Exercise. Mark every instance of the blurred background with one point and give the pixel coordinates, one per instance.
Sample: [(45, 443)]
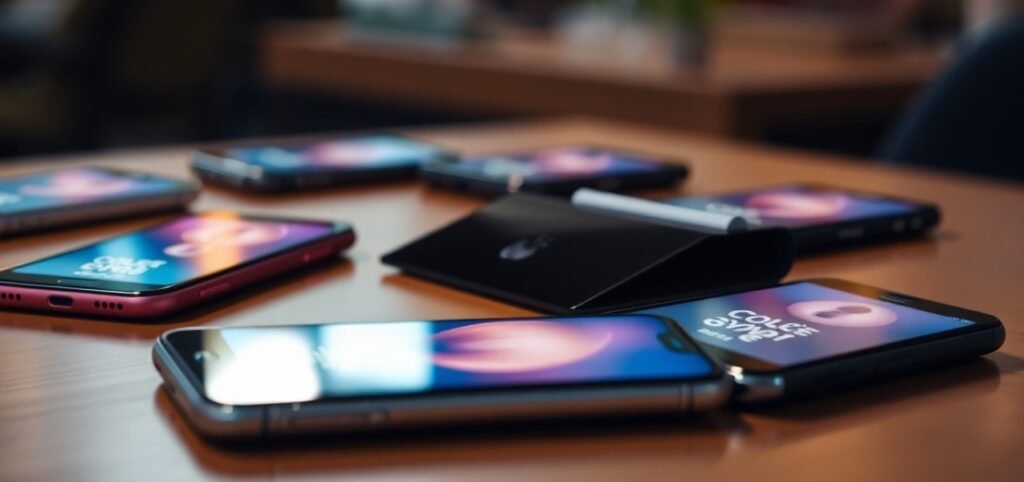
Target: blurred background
[(934, 83)]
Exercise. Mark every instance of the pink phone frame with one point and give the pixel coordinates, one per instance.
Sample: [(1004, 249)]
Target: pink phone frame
[(152, 306)]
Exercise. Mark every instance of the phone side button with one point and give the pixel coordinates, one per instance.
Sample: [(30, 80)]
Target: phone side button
[(337, 421), (899, 365), (851, 233), (316, 253), (214, 290)]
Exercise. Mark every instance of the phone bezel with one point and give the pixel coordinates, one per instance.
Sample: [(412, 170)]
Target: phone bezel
[(752, 365), (456, 168), (222, 153), (9, 277), (190, 367)]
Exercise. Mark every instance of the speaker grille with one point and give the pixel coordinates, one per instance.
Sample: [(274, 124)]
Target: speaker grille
[(4, 296), (104, 305)]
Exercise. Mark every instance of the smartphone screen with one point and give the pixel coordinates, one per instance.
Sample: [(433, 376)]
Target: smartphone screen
[(292, 364), (558, 164), (76, 186), (372, 152), (169, 254), (802, 322), (798, 206)]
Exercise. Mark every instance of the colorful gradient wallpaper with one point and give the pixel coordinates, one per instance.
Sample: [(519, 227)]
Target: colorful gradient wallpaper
[(559, 164), (801, 322), (75, 186), (797, 206), (190, 247), (346, 154), (261, 365)]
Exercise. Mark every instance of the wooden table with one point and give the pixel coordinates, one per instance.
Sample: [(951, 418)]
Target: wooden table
[(80, 400), (745, 91)]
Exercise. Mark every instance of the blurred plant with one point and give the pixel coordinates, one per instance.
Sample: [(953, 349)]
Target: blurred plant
[(687, 23), (681, 11), (690, 23)]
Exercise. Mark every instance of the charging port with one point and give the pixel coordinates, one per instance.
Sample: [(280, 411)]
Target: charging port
[(61, 301)]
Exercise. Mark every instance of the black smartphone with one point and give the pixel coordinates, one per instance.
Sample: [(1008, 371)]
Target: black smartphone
[(815, 336), (333, 162), (77, 195), (557, 170), (344, 377), (822, 217)]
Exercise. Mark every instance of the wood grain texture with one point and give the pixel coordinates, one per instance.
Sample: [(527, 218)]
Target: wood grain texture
[(79, 399), (744, 91)]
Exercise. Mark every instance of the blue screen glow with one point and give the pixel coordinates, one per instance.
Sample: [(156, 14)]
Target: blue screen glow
[(344, 154), (558, 164), (74, 187)]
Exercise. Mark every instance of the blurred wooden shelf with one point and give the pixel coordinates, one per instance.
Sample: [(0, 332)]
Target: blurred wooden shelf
[(745, 90), (80, 399)]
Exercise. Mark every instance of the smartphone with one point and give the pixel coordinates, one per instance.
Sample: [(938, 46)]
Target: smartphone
[(76, 195), (812, 337), (168, 267), (556, 170), (279, 380), (317, 164), (821, 216)]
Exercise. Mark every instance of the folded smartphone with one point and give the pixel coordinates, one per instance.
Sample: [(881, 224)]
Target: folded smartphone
[(556, 170), (345, 377), (77, 195), (821, 216), (289, 167), (168, 267), (816, 336)]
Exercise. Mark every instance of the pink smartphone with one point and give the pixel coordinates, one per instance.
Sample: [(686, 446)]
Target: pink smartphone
[(168, 267)]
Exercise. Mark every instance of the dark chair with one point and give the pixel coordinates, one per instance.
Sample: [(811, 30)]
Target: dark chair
[(101, 59), (971, 118)]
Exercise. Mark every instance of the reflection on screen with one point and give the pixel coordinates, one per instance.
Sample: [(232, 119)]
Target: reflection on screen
[(75, 186), (802, 322), (355, 153), (303, 363), (187, 248), (797, 206), (559, 163)]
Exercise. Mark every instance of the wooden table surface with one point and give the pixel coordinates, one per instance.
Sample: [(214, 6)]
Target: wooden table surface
[(744, 91), (80, 400)]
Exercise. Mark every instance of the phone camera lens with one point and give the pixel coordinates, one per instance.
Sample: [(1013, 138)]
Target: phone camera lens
[(204, 356)]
